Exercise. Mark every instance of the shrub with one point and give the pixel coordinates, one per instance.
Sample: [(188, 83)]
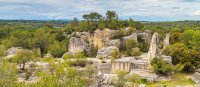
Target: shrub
[(49, 59), (79, 55), (103, 61), (67, 56), (79, 62)]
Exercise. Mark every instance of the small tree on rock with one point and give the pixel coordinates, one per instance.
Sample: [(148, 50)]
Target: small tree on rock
[(136, 52), (22, 57)]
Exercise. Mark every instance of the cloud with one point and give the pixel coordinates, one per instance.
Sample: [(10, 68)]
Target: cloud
[(197, 12), (67, 9)]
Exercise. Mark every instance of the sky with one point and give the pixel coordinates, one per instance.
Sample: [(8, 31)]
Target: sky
[(140, 10)]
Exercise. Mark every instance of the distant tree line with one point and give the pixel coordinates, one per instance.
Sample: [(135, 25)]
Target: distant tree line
[(94, 20)]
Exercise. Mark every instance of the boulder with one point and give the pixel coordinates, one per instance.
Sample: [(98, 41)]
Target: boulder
[(11, 52), (77, 45), (48, 56), (105, 52), (166, 41), (154, 50), (132, 36)]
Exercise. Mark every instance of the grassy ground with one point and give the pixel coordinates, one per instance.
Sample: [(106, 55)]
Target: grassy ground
[(177, 79)]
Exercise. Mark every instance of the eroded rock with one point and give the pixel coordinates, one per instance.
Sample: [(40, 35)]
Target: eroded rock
[(166, 41), (77, 45), (154, 50), (106, 52)]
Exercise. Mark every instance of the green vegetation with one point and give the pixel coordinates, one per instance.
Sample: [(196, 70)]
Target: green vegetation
[(50, 37), (129, 45), (182, 54), (94, 20), (177, 79), (22, 57), (162, 67), (115, 54), (121, 79), (8, 74), (136, 52)]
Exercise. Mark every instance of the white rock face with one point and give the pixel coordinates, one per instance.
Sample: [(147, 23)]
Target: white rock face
[(166, 41), (105, 52), (11, 52), (77, 45), (154, 47), (132, 36), (121, 42), (115, 42)]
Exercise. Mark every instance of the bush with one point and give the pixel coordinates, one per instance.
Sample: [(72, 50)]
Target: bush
[(129, 44), (103, 61), (67, 56), (48, 59), (79, 55), (79, 62)]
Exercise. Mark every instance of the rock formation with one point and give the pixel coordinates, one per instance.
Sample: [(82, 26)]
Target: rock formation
[(101, 38), (121, 42), (77, 45), (132, 36), (83, 35), (115, 42), (154, 47), (144, 36), (166, 41), (105, 52), (11, 52)]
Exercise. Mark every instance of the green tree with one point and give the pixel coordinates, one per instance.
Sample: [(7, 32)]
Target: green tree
[(136, 52), (75, 22), (162, 67), (129, 44), (192, 39), (121, 78), (181, 54), (111, 15), (144, 46), (19, 38), (115, 54), (120, 34), (42, 40), (22, 57), (57, 49)]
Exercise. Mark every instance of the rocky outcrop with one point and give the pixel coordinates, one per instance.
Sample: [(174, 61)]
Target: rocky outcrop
[(166, 41), (77, 45), (11, 52), (121, 42), (115, 42), (144, 36), (132, 36), (106, 52), (101, 38), (83, 35), (154, 47)]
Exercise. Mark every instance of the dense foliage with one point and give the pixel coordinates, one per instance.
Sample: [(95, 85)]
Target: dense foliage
[(182, 54)]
